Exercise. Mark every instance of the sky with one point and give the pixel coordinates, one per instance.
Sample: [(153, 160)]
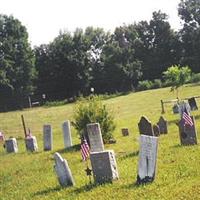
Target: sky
[(44, 19)]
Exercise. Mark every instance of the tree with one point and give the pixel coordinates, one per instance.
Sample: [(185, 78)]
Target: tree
[(176, 76), (16, 63)]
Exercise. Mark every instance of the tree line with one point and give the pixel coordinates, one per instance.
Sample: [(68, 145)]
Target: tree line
[(73, 63)]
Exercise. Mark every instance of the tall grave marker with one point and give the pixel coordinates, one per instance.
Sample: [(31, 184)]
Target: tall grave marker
[(67, 134), (47, 137)]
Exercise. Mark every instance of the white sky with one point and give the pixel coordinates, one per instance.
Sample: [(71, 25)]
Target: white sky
[(45, 18)]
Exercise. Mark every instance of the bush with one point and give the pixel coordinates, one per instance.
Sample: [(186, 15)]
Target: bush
[(157, 83), (195, 78), (92, 110), (144, 85)]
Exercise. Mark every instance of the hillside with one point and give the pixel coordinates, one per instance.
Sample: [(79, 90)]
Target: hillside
[(31, 175)]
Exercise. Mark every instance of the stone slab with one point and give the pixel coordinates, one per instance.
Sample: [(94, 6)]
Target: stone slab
[(31, 143), (163, 125), (11, 145), (47, 137), (145, 126), (67, 134)]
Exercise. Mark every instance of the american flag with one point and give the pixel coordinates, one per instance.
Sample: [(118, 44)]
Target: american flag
[(187, 119), (85, 149), (29, 135), (1, 136)]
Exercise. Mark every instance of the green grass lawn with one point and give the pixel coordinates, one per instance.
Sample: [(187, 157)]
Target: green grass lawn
[(31, 175)]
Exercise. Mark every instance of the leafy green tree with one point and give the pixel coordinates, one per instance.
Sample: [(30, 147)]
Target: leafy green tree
[(176, 76), (16, 63)]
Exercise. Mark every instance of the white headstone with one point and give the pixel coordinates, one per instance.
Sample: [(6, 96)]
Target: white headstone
[(95, 137), (147, 158), (47, 137), (31, 143), (67, 134), (11, 145), (104, 166), (63, 171)]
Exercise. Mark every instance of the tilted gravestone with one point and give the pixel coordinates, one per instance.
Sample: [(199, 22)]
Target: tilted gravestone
[(67, 134), (47, 137), (31, 143), (63, 171), (163, 125), (145, 127), (95, 137), (156, 130), (187, 133), (147, 159), (11, 145), (125, 132), (193, 104), (104, 166)]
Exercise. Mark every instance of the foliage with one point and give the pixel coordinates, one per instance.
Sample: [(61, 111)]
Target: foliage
[(177, 76), (195, 78), (92, 110), (144, 85)]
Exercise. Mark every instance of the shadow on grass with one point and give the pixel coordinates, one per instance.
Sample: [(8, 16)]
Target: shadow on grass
[(136, 185), (177, 146), (47, 191), (127, 155), (86, 188), (76, 147)]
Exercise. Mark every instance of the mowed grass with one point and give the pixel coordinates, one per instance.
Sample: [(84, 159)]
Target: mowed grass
[(31, 175)]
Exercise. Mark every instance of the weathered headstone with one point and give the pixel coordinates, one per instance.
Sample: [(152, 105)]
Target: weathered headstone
[(193, 104), (175, 108), (47, 137), (95, 137), (187, 133), (145, 127), (63, 171), (184, 106), (11, 145), (163, 125), (67, 134), (125, 132), (156, 130), (104, 166), (147, 159), (31, 143)]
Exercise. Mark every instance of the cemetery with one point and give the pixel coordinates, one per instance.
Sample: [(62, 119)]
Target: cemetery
[(156, 158)]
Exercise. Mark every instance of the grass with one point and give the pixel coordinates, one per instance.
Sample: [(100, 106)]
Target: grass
[(26, 175)]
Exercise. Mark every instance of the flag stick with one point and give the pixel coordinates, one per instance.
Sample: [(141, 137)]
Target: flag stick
[(24, 126)]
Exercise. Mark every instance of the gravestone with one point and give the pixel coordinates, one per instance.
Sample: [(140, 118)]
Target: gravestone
[(187, 133), (95, 137), (175, 108), (145, 127), (147, 159), (193, 104), (63, 171), (163, 125), (31, 143), (67, 134), (11, 145), (156, 130), (104, 166), (47, 137), (125, 132), (184, 106)]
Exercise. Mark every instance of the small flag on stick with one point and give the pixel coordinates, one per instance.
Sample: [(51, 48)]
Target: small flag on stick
[(187, 118), (29, 135), (85, 149), (2, 138)]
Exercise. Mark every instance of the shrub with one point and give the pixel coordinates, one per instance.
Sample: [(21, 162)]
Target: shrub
[(157, 83), (144, 85), (195, 78), (92, 110)]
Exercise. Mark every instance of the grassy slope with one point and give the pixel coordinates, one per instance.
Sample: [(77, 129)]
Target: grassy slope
[(31, 176)]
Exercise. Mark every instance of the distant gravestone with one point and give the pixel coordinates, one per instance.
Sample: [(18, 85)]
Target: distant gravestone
[(156, 130), (175, 108), (163, 125), (145, 127), (187, 133), (104, 166), (11, 145), (193, 104), (31, 143), (63, 171), (125, 132), (147, 159), (67, 134), (95, 137), (47, 137)]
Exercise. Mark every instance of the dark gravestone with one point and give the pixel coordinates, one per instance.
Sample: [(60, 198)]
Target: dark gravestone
[(31, 143), (104, 166), (147, 159), (184, 106), (11, 145), (193, 104), (187, 133), (175, 108), (125, 132), (47, 137), (162, 123), (63, 171), (156, 130), (145, 127)]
